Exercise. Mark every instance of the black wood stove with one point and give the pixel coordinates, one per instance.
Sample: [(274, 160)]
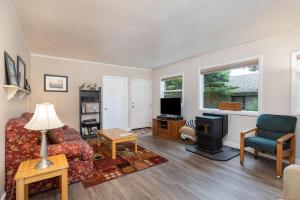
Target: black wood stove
[(210, 130)]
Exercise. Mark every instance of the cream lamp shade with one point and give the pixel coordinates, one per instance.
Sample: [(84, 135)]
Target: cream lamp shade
[(44, 118)]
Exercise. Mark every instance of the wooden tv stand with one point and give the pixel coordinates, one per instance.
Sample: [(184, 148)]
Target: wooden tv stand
[(168, 129)]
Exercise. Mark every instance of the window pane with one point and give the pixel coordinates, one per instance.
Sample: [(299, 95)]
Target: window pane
[(235, 85), (173, 94), (251, 103), (240, 99), (173, 84)]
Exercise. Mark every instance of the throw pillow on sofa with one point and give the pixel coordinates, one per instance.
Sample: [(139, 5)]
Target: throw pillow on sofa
[(56, 136)]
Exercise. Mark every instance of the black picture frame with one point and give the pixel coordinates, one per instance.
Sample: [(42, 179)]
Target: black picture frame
[(21, 72), (60, 84), (10, 69)]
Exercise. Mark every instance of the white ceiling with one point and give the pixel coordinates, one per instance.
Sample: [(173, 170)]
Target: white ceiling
[(149, 33)]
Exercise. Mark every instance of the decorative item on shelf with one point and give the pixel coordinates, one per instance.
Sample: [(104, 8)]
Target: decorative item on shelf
[(27, 86), (90, 107), (89, 127), (89, 121), (94, 86), (11, 72), (89, 86), (21, 72), (94, 129), (83, 86), (44, 119), (55, 83)]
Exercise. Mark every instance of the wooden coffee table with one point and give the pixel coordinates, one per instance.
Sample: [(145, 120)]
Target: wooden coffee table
[(115, 136)]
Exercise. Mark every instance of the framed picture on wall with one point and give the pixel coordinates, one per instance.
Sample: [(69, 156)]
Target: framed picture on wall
[(55, 83), (11, 72), (21, 72)]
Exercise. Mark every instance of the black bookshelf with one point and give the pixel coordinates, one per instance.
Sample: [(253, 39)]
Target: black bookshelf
[(90, 112)]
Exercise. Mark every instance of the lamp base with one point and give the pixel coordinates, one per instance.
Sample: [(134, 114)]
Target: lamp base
[(44, 163)]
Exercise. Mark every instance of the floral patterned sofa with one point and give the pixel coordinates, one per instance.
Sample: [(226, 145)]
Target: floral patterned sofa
[(22, 144)]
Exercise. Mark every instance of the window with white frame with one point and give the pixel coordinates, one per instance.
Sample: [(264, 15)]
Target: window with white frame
[(295, 83), (171, 87), (236, 82)]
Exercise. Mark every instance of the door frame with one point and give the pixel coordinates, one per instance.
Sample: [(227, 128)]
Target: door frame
[(126, 96), (151, 96)]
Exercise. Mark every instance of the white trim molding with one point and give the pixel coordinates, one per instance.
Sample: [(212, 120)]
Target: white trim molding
[(231, 112), (89, 62), (295, 83), (231, 144)]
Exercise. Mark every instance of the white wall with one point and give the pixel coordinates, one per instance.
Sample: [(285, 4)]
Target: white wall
[(67, 103), (11, 41), (276, 89)]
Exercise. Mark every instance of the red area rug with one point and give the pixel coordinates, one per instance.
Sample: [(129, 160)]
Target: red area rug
[(127, 162)]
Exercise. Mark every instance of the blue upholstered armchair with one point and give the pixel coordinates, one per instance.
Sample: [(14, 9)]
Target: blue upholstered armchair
[(273, 134)]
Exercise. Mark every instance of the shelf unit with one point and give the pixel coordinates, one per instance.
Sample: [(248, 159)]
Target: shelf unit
[(90, 108), (12, 91), (90, 113), (168, 129)]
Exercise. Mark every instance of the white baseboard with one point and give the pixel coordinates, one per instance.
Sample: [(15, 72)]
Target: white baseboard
[(3, 196), (231, 144)]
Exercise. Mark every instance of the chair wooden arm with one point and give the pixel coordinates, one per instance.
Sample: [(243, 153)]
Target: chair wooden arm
[(243, 133), (285, 138), (242, 143)]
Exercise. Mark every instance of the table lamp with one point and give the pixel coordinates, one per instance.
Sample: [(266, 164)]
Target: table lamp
[(44, 118)]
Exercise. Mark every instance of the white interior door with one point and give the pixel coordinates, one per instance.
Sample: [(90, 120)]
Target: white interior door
[(141, 103), (114, 102)]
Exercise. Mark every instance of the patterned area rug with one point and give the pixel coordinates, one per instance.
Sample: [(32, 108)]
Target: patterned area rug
[(127, 162), (142, 131)]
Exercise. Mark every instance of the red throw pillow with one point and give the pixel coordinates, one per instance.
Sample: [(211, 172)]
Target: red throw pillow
[(27, 115), (56, 136)]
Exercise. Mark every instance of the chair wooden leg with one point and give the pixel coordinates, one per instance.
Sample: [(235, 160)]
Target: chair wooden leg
[(256, 153), (279, 161), (242, 149), (292, 150)]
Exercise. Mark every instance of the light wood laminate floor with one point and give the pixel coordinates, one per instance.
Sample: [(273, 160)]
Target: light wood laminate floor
[(185, 176)]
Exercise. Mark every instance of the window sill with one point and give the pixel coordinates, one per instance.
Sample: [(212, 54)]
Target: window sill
[(230, 112)]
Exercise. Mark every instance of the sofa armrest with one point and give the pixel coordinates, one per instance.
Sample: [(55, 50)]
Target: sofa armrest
[(291, 180), (71, 131), (72, 150), (87, 151)]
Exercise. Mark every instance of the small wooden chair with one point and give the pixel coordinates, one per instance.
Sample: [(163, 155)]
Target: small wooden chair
[(273, 134)]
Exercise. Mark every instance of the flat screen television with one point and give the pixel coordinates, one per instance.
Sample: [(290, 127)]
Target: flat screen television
[(170, 106)]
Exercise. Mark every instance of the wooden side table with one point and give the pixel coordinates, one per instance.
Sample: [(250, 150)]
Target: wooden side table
[(27, 174)]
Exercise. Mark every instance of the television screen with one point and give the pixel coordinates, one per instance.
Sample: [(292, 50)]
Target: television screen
[(170, 106)]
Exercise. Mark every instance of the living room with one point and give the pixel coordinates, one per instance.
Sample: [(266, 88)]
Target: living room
[(127, 53)]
